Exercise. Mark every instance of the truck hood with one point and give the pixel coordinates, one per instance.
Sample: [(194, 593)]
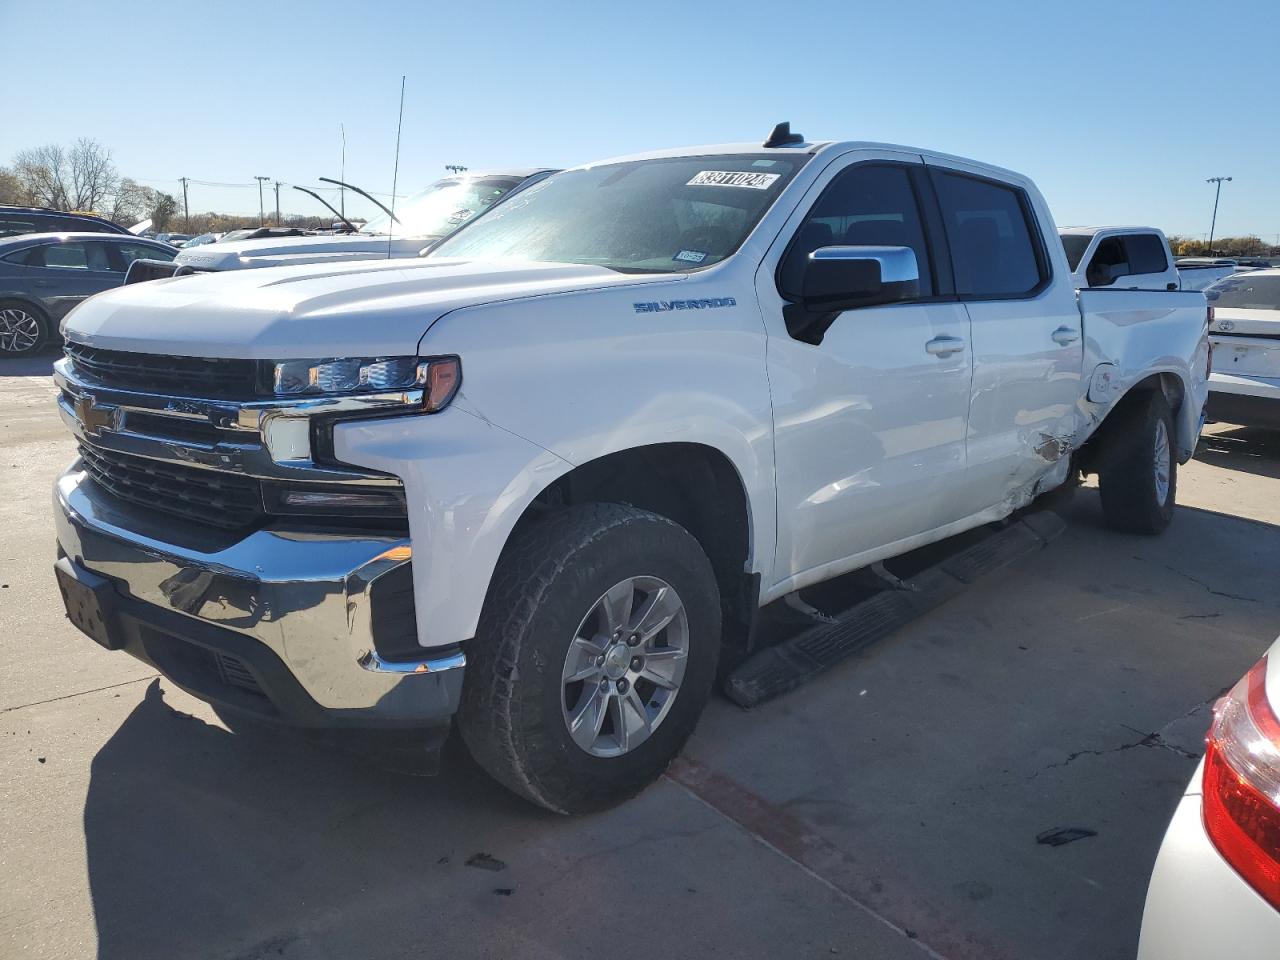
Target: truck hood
[(288, 251), (379, 308)]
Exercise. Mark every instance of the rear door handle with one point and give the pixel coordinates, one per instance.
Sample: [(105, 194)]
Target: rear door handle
[(1064, 336), (944, 346)]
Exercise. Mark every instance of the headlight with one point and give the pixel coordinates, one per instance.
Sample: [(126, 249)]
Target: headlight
[(438, 377)]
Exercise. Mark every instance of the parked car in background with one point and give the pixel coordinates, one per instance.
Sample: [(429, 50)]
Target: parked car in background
[(1124, 258), (440, 210), (1215, 889), (546, 476), (202, 239), (19, 220), (1245, 333), (173, 239), (259, 233), (1197, 273), (44, 275)]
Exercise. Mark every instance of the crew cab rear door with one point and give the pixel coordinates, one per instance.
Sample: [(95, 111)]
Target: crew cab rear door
[(1026, 330), (869, 422)]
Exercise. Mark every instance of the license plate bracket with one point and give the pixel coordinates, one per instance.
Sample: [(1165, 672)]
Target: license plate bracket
[(87, 598)]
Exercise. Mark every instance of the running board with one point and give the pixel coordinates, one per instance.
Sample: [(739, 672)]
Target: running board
[(777, 669)]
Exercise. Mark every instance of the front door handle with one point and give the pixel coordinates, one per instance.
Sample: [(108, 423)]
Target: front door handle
[(944, 346), (1065, 336)]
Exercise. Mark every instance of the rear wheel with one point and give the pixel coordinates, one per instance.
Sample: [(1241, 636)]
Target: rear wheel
[(594, 658), (24, 328), (1137, 471)]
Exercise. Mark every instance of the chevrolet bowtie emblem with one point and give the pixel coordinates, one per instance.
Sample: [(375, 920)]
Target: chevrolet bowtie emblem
[(95, 417)]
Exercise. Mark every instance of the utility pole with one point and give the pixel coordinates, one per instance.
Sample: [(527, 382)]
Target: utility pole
[(1216, 193), (342, 173), (186, 214), (277, 203), (454, 168), (262, 216)]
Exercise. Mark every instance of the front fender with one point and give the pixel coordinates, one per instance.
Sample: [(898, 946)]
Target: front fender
[(467, 482)]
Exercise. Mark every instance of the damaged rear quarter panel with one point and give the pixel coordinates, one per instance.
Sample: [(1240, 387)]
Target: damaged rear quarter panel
[(1144, 332)]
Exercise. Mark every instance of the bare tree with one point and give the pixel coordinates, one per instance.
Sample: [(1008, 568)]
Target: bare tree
[(130, 202), (42, 172), (93, 175)]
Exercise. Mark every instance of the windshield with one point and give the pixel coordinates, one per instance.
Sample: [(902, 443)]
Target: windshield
[(443, 207), (1075, 244), (1245, 292), (645, 216)]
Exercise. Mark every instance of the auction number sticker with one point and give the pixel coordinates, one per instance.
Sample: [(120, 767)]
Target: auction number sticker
[(733, 178)]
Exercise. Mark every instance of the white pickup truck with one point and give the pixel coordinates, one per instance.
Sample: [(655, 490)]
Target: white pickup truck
[(1130, 258), (544, 477)]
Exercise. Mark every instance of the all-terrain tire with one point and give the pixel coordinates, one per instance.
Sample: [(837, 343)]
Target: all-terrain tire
[(1136, 452), (550, 576)]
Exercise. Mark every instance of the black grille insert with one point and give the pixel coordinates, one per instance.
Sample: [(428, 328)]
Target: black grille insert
[(226, 500), (155, 373)]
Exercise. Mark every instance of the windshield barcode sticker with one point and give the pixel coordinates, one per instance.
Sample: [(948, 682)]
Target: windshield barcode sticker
[(733, 178)]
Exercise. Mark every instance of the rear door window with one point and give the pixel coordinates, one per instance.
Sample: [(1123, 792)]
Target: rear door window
[(994, 240), (60, 256), (1145, 253)]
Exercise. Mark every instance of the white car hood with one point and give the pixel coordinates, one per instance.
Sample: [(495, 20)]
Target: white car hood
[(377, 308), (287, 251)]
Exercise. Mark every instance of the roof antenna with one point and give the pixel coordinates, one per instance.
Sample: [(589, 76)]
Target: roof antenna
[(395, 176), (782, 136)]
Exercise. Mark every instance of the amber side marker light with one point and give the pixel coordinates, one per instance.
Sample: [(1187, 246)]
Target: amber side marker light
[(1241, 802), (440, 379)]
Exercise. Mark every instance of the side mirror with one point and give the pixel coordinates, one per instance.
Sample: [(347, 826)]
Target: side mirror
[(846, 278)]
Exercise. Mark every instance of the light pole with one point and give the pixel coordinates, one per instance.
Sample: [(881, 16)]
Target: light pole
[(262, 216), (1216, 193), (454, 168), (186, 214), (277, 203)]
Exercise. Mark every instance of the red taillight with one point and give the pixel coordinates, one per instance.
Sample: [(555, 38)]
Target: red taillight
[(1242, 783)]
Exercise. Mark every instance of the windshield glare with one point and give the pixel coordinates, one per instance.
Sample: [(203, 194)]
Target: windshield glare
[(443, 207), (1075, 244), (1245, 292), (643, 216)]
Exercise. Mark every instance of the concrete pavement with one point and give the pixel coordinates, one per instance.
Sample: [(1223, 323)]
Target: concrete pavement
[(887, 810)]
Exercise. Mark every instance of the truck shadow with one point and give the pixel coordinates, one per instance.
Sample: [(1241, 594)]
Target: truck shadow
[(198, 840), (1247, 449)]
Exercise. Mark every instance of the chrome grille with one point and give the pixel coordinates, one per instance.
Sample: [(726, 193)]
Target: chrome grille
[(227, 500)]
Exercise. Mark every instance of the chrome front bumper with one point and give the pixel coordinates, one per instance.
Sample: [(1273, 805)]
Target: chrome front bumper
[(305, 596)]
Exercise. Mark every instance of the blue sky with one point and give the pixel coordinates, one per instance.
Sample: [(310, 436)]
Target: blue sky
[(1118, 109)]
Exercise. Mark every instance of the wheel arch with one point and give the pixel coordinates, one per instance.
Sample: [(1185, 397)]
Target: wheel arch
[(693, 484), (1170, 384)]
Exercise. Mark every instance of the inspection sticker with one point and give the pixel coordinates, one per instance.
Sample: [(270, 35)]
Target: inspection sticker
[(733, 178), (690, 256)]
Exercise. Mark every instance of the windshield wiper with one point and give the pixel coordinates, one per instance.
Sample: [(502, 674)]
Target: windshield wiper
[(381, 206), (350, 226)]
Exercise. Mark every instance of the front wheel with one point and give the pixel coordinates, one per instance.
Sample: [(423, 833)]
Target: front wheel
[(595, 655), (1137, 471)]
